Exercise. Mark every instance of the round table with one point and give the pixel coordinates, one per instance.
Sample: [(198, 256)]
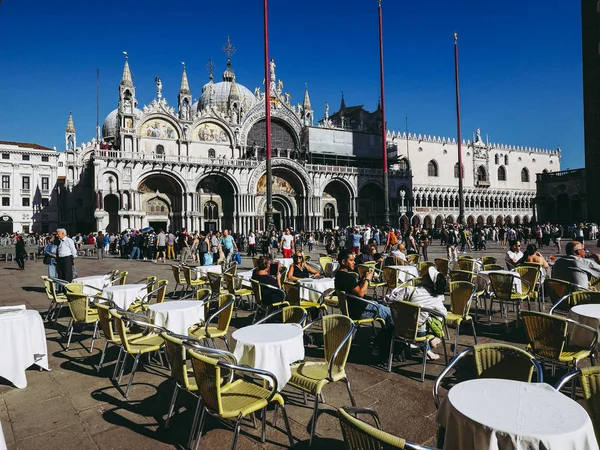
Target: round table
[(23, 339), (270, 346), (587, 315), (203, 270), (124, 295), (96, 281), (482, 280), (404, 271), (318, 284), (177, 315), (285, 262), (494, 414), (245, 276)]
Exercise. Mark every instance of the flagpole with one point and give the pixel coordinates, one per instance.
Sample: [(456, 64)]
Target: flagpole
[(461, 196), (269, 225), (386, 197)]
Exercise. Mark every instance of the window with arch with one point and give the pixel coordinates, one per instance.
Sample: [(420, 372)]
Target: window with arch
[(212, 153), (501, 173), (456, 171), (211, 210), (329, 211), (497, 159), (482, 174), (403, 164), (160, 150), (525, 175), (432, 169), (506, 160)]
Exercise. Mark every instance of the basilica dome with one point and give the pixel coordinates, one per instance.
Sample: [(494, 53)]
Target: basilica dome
[(109, 128), (221, 91)]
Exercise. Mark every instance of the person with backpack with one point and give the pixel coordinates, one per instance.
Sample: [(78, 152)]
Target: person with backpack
[(202, 247), (452, 240)]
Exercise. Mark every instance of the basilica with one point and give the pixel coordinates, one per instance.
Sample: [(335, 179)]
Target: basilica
[(201, 166)]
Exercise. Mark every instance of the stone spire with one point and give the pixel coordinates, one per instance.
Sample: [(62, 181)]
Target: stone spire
[(126, 79), (185, 86), (342, 103), (70, 124), (306, 104)]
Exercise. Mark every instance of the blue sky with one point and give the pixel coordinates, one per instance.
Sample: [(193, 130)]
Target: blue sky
[(520, 62)]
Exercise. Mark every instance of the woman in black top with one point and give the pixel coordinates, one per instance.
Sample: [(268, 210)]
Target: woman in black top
[(20, 252), (300, 270), (261, 274)]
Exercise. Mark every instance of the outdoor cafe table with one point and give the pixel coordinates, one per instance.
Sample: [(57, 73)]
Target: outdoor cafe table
[(23, 343), (285, 262), (483, 279), (177, 315), (587, 315), (124, 295), (270, 346), (494, 414), (318, 284), (203, 270), (405, 271), (96, 281)]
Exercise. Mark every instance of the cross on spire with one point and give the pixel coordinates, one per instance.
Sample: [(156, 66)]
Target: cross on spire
[(229, 49), (211, 68)]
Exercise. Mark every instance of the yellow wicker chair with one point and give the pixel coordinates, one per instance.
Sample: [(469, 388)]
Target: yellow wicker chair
[(462, 275), (292, 296), (441, 264), (239, 294), (495, 361), (343, 298), (575, 298), (589, 378), (359, 435), (391, 277), (469, 265), (461, 296), (406, 326), (149, 342), (556, 289), (493, 267), (548, 340), (179, 279), (215, 281), (488, 260), (377, 281), (121, 279), (532, 276), (324, 260), (311, 377), (424, 266), (232, 400), (57, 301), (465, 257), (289, 314), (503, 292), (81, 314), (207, 330), (413, 259), (160, 292), (260, 306), (190, 282), (394, 261)]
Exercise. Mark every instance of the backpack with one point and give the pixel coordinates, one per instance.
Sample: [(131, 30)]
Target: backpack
[(203, 246), (451, 238)]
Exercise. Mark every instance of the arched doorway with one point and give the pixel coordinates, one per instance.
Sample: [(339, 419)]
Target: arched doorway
[(449, 220), (404, 223), (439, 222), (211, 216), (427, 222), (283, 212), (480, 221), (218, 190), (471, 221), (416, 221), (329, 216), (370, 204), (490, 221), (6, 224), (162, 202), (499, 221), (517, 220), (111, 206), (157, 213), (336, 193), (508, 220)]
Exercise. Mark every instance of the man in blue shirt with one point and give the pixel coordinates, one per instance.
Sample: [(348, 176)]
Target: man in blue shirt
[(228, 244)]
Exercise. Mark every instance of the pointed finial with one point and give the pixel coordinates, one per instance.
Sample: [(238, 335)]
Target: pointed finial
[(126, 79), (185, 86), (306, 104), (70, 125), (229, 50), (342, 103), (211, 68)]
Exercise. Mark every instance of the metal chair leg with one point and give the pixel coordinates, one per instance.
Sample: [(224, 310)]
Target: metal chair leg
[(122, 367), (474, 333), (456, 334), (350, 392), (93, 337), (287, 425), (200, 428), (391, 355), (70, 331), (314, 420), (236, 434), (102, 357), (172, 406), (195, 422), (425, 345), (114, 376), (226, 343), (135, 364), (263, 436)]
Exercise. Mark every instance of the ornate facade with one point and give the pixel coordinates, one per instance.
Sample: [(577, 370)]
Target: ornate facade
[(201, 166)]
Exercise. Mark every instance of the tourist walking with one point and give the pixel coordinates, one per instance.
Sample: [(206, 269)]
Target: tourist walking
[(65, 256), (50, 256), (161, 246), (100, 244), (20, 252)]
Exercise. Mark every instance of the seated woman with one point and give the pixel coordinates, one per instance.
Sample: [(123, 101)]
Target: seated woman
[(533, 255), (300, 270), (369, 253), (261, 274), (430, 294)]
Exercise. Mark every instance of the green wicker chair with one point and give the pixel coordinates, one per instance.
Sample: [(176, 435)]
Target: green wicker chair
[(257, 290), (548, 338), (190, 282), (406, 317), (232, 400), (57, 301), (343, 301), (215, 281), (503, 292), (81, 314), (589, 378), (489, 260), (292, 296), (311, 377), (377, 281), (575, 298), (461, 297), (469, 265), (359, 435), (495, 361), (289, 314), (413, 259), (390, 275), (239, 294), (323, 261), (208, 330), (160, 292), (493, 267), (556, 289), (462, 275), (424, 266), (179, 279), (531, 275)]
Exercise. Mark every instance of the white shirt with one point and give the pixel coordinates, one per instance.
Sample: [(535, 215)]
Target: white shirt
[(398, 254), (286, 241), (251, 240), (67, 248), (513, 257), (423, 298)]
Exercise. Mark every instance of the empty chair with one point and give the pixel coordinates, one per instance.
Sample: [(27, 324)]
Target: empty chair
[(461, 296), (488, 260), (492, 267), (57, 301), (441, 264), (289, 314), (413, 259), (190, 282), (239, 294), (576, 298), (462, 275), (208, 330), (82, 314), (179, 278), (503, 292)]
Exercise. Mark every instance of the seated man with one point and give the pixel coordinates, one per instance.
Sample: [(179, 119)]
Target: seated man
[(347, 280), (261, 274), (399, 251), (514, 255), (574, 267)]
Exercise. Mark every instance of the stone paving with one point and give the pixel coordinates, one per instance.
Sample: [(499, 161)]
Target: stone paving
[(74, 406)]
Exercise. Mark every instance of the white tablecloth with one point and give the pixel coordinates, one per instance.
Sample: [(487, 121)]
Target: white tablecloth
[(285, 262), (483, 279), (203, 270), (493, 414), (97, 281), (270, 346), (22, 344), (319, 284), (406, 273), (125, 295), (246, 276), (177, 315), (587, 315)]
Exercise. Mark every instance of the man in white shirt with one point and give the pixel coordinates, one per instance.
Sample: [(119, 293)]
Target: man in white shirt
[(65, 255), (399, 252), (287, 244), (514, 254)]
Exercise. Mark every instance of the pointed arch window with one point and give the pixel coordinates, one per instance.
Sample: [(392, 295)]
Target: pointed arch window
[(506, 160), (329, 211), (501, 173), (432, 169), (497, 159), (456, 171), (525, 175), (211, 211), (482, 174)]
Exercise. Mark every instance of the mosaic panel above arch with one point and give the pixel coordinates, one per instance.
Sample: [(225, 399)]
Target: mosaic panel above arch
[(210, 132), (279, 185), (159, 128)]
